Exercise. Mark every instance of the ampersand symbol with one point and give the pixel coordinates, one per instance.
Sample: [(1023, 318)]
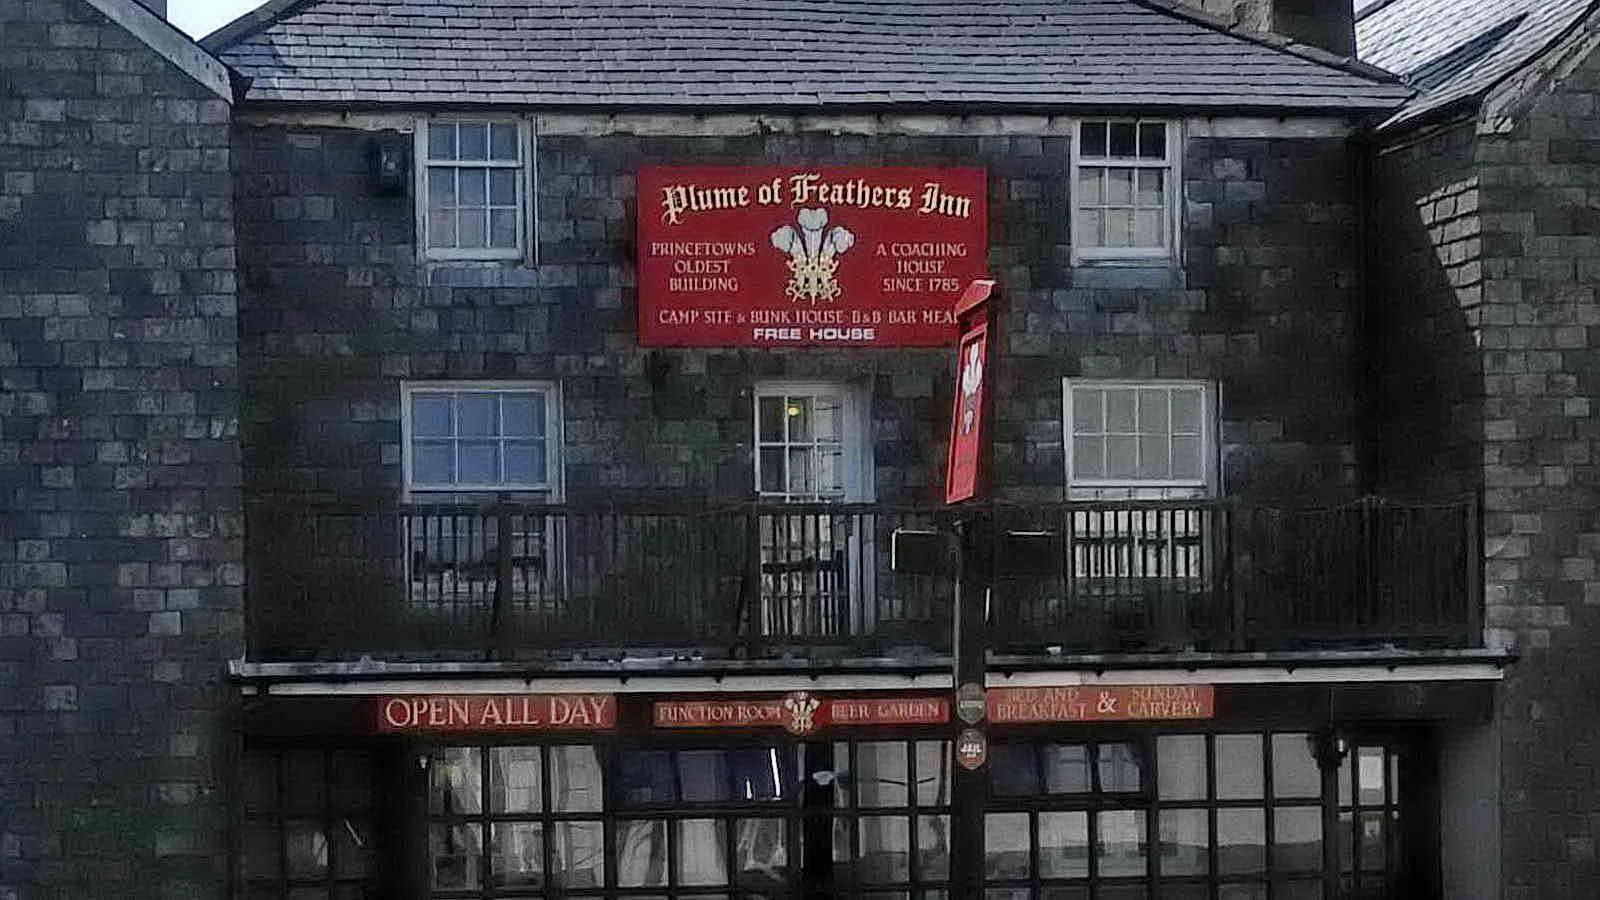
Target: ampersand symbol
[(1107, 704)]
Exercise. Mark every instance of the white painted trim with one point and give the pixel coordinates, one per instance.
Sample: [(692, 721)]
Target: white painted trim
[(1269, 675), (861, 478), (1151, 257), (526, 187), (1210, 430), (173, 45), (654, 684)]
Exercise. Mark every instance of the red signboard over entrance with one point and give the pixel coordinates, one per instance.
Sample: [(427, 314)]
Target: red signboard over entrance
[(1118, 703), (802, 712), (811, 255), (497, 712)]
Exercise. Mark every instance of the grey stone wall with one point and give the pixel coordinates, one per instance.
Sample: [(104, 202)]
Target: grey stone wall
[(120, 557), (336, 312), (1541, 360)]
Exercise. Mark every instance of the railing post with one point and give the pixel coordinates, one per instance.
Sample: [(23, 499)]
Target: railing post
[(499, 627)]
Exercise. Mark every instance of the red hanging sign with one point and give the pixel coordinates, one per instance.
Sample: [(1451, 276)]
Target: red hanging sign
[(972, 388), (497, 712), (808, 255), (1117, 703), (802, 712)]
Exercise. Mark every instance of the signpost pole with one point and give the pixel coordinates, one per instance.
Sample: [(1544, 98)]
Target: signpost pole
[(966, 478)]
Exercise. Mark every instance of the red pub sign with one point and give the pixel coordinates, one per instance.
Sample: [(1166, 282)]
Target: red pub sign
[(807, 256), (1112, 703), (497, 712), (802, 712)]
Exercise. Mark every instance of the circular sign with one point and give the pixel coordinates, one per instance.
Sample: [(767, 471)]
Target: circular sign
[(971, 703), (972, 749)]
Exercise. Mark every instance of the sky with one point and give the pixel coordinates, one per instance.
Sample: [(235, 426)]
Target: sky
[(199, 18)]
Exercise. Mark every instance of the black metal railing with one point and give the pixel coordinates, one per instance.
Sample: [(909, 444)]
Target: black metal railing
[(766, 579)]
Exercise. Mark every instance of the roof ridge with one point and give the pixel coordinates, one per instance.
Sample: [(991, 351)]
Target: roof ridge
[(248, 24), (1309, 52)]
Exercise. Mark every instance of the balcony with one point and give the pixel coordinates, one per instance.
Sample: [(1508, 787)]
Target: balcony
[(419, 582)]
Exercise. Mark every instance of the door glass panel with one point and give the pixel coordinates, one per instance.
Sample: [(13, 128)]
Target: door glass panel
[(1239, 767), (1005, 845), (884, 848), (575, 783), (1185, 842), (1241, 841), (1063, 845), (933, 847), (702, 853), (517, 859), (1294, 768), (882, 773), (641, 853), (762, 851), (456, 781), (1181, 766), (577, 855), (933, 773), (456, 851), (1122, 843), (1297, 839)]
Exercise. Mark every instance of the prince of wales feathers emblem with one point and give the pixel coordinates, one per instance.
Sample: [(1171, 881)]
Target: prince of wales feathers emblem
[(813, 256)]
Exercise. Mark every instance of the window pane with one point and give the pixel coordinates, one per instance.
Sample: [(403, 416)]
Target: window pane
[(441, 187), (1151, 189), (828, 418), (1149, 229), (455, 851), (1298, 890), (1242, 892), (522, 415), (647, 777), (524, 463), (517, 784), (772, 470), (259, 850), (1086, 415), (762, 852), (1088, 457), (769, 418), (1119, 186), (1152, 140), (1063, 845), (1013, 771), (442, 228), (885, 849), (455, 777), (1239, 766), (503, 228), (1093, 135), (1153, 411), (503, 187), (1185, 842), (304, 781), (933, 773), (641, 853), (1066, 768), (474, 140), (517, 858), (702, 854), (1297, 839), (933, 847), (1121, 768), (472, 230), (757, 773), (1005, 845), (476, 415), (798, 412), (1120, 452), (1294, 768), (1241, 840), (1181, 766), (1153, 459), (1186, 461), (1091, 228), (1091, 190), (881, 773), (830, 470), (577, 857), (575, 780), (472, 186), (1120, 411), (432, 462), (1186, 411), (1122, 843), (503, 141), (353, 853), (441, 140), (1119, 228), (703, 776), (1123, 139), (479, 462), (1373, 855), (800, 478), (1369, 773), (352, 781)]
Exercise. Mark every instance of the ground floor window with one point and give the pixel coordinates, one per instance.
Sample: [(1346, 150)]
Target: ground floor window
[(308, 829)]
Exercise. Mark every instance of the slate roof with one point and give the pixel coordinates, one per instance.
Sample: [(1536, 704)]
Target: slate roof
[(782, 53), (1454, 49)]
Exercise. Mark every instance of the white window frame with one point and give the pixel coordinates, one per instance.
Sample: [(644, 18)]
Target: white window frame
[(1172, 164), (859, 477), (553, 486), (1145, 488), (525, 186)]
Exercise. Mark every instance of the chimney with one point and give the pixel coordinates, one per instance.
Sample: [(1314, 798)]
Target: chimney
[(159, 7), (1328, 24)]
